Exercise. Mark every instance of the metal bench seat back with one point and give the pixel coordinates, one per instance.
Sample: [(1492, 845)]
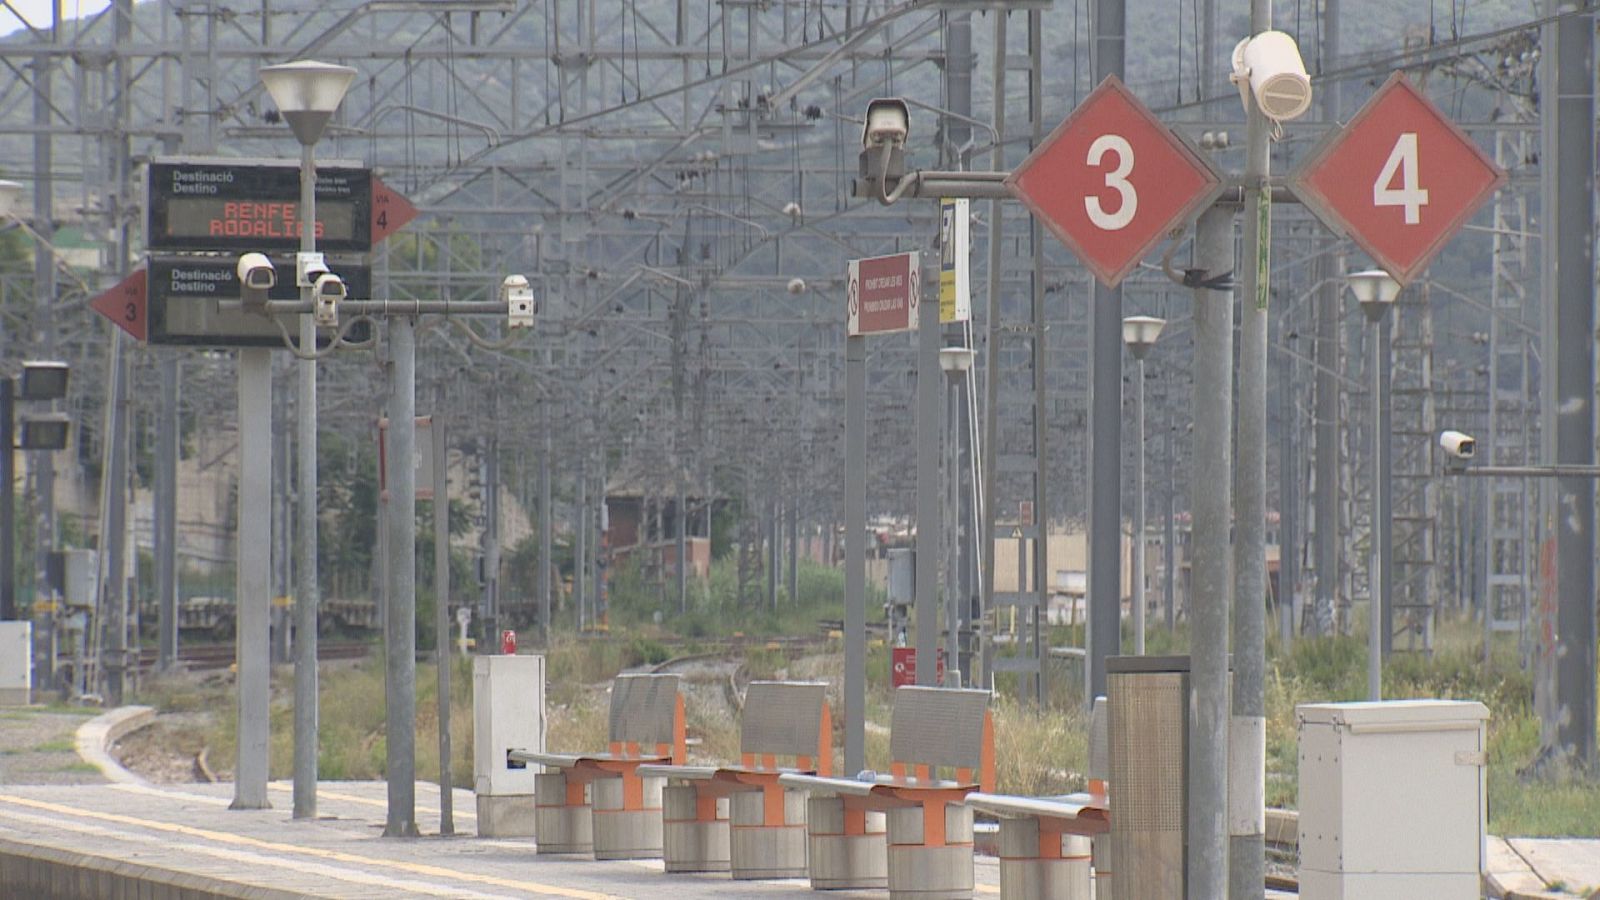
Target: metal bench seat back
[(647, 712), (787, 719), (943, 727)]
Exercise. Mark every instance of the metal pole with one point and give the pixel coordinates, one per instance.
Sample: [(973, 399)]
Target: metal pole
[(991, 376), (1247, 823), (253, 578), (114, 530), (306, 590), (953, 592), (1384, 488), (1574, 292), (1376, 614), (1207, 865), (855, 554), (580, 555), (1105, 415), (1169, 537), (400, 647), (1288, 504), (773, 559), (930, 538), (546, 523), (1138, 514), (794, 552), (1329, 314), (166, 510), (8, 503), (441, 610)]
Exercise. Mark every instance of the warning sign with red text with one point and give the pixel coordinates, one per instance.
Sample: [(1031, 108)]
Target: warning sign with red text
[(884, 294)]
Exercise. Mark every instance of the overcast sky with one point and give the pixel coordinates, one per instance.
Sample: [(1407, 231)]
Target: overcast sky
[(37, 12)]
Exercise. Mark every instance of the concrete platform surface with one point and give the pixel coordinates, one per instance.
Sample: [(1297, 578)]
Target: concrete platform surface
[(1548, 867), (186, 838)]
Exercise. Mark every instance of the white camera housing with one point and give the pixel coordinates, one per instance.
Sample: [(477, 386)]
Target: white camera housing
[(1458, 445), (257, 276), (888, 122), (1270, 64), (327, 292), (307, 266), (518, 297)]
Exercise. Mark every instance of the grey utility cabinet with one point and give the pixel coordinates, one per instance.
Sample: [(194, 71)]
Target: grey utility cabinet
[(1392, 800)]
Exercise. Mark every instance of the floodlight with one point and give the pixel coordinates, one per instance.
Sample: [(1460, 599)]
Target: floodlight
[(1140, 333)]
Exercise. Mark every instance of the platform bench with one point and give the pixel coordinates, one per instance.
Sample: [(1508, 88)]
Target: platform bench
[(598, 802), (933, 732), (738, 818)]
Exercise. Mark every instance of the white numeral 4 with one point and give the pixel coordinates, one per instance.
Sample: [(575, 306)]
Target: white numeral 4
[(1402, 159), (1117, 180)]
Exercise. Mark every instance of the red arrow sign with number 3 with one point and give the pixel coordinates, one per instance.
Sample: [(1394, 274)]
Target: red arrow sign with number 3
[(127, 306)]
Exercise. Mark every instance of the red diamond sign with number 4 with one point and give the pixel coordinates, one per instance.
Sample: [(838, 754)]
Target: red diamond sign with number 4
[(1111, 181), (1400, 179)]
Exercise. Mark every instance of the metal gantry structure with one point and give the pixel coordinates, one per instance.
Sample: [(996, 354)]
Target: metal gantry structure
[(673, 176)]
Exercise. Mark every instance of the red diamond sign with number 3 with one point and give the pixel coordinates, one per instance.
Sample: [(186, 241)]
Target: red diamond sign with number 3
[(1400, 179), (1111, 181)]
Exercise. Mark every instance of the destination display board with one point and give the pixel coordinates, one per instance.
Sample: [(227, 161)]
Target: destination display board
[(184, 294), (209, 204)]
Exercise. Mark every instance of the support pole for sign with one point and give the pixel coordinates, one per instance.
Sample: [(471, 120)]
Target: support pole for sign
[(1105, 417), (1208, 596), (400, 638), (930, 537), (441, 611), (306, 589), (253, 577), (1248, 732), (546, 522), (855, 554)]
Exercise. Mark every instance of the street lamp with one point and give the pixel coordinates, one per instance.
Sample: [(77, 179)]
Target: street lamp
[(1139, 333), (1376, 291), (43, 381), (307, 94)]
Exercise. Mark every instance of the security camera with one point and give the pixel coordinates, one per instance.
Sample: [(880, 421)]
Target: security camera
[(1270, 64), (796, 286), (307, 268), (888, 122), (327, 293), (256, 278), (1458, 445), (518, 297)]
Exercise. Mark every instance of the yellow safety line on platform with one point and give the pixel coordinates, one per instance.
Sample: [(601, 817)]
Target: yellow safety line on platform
[(273, 863), (367, 801), (335, 855)]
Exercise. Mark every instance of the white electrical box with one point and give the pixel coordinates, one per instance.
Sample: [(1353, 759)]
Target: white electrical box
[(1392, 800), (16, 663), (507, 714)]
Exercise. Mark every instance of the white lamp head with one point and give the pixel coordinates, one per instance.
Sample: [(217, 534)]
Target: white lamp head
[(1141, 332), (956, 359), (1375, 290), (307, 93)]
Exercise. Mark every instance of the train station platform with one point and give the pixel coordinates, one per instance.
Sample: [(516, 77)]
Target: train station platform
[(183, 843)]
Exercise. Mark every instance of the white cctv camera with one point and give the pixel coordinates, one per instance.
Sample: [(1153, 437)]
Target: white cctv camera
[(888, 122), (518, 297), (796, 286), (307, 268), (1270, 64), (327, 293), (256, 277), (1458, 445)]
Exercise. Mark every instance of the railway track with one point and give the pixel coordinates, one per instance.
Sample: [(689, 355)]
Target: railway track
[(209, 657)]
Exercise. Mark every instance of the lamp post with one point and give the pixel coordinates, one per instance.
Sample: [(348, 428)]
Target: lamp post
[(1375, 290), (1140, 334), (956, 363), (307, 93)]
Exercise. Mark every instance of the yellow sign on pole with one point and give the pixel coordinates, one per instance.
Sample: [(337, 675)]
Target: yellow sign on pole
[(955, 246)]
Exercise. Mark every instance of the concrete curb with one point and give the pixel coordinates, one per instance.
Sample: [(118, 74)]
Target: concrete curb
[(49, 871), (95, 737)]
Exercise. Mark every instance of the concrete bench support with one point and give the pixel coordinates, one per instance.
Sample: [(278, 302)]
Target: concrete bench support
[(695, 834), (847, 847), (930, 863), (562, 822), (769, 834), (1042, 866), (627, 817)]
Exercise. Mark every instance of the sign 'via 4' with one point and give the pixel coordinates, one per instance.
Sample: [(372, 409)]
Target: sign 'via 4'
[(1400, 179)]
